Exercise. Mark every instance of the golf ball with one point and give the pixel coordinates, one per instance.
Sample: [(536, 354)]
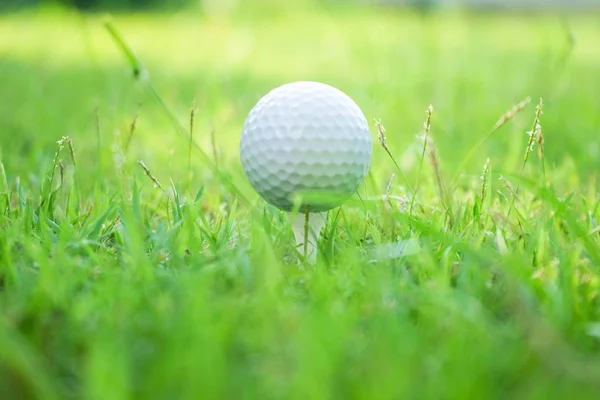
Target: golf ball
[(306, 144)]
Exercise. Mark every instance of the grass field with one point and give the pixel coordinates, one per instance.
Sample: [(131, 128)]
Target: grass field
[(115, 288)]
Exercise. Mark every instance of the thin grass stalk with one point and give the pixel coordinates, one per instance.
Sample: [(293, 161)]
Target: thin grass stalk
[(6, 188), (507, 116), (132, 128), (388, 189), (383, 142), (533, 132), (426, 130), (530, 143), (151, 176), (484, 181), (60, 146), (439, 181), (193, 111), (98, 139), (213, 144), (540, 140)]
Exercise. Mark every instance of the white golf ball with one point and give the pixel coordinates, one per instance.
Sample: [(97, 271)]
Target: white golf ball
[(306, 144)]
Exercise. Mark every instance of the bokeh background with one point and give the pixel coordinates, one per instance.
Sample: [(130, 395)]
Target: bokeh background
[(422, 4), (473, 60)]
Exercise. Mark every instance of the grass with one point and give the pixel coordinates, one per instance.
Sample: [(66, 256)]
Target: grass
[(136, 262)]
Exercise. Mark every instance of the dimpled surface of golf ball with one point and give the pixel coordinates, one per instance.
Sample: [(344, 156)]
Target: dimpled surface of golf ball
[(308, 141)]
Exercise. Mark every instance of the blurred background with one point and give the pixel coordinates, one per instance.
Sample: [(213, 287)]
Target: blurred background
[(62, 74), (423, 4)]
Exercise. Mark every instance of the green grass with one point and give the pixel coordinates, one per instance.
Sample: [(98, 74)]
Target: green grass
[(112, 288)]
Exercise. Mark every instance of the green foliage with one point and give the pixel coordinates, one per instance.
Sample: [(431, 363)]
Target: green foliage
[(128, 272)]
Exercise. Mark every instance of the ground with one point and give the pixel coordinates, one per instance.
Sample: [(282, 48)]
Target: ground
[(116, 286)]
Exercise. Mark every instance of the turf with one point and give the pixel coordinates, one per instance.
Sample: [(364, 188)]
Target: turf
[(115, 286)]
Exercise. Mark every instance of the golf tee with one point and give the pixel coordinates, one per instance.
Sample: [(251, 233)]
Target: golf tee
[(307, 229)]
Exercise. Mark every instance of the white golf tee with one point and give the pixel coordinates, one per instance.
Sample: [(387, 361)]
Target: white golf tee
[(307, 232)]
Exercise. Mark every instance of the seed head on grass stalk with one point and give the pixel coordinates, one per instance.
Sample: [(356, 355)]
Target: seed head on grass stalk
[(533, 132), (507, 116), (383, 142), (510, 188), (71, 150), (484, 180), (514, 199), (510, 114), (61, 167), (426, 131), (540, 140), (388, 190), (536, 127), (72, 153), (59, 149), (151, 176), (431, 150), (132, 128), (193, 112), (49, 181)]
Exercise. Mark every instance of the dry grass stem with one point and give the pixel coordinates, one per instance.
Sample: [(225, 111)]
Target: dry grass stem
[(507, 116), (426, 130), (59, 148), (540, 141), (510, 114), (71, 151), (4, 179), (430, 149), (484, 179), (6, 188), (213, 143), (62, 172), (510, 189), (98, 135), (388, 189), (151, 176), (132, 128), (514, 198), (193, 112), (383, 142), (381, 136), (425, 138), (427, 124), (533, 133), (433, 158)]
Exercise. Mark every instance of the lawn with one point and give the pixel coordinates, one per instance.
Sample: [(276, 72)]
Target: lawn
[(137, 262)]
